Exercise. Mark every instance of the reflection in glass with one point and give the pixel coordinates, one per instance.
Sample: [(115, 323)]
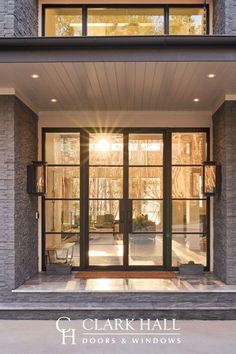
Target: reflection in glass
[(145, 182), (103, 214), (189, 216), (188, 148), (63, 148), (125, 22), (187, 21), (106, 182), (147, 216), (62, 215), (61, 22), (63, 249), (63, 182), (145, 249), (105, 249), (106, 149), (145, 149), (189, 248), (186, 182)]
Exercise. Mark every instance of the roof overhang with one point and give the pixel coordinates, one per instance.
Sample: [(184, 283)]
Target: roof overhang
[(115, 49), (119, 73)]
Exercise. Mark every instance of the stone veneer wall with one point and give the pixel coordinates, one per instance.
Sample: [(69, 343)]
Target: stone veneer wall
[(224, 139), (224, 17), (18, 18), (18, 226)]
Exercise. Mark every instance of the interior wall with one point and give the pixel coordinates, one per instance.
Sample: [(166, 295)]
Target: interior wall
[(122, 119)]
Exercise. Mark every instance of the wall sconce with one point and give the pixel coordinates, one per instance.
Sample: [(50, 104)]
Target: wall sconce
[(211, 178), (36, 178)]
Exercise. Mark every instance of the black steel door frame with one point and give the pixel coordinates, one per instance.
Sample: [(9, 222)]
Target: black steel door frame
[(84, 194)]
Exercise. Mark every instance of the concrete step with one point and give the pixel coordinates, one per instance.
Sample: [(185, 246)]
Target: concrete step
[(181, 310), (138, 297)]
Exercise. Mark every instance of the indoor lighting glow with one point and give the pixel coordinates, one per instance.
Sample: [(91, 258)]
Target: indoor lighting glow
[(196, 99), (53, 100), (211, 76), (35, 76), (102, 145)]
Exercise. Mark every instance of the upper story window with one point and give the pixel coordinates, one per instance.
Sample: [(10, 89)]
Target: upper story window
[(187, 21), (63, 21), (117, 20), (125, 22)]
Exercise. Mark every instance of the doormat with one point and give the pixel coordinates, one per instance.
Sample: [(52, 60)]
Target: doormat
[(127, 275)]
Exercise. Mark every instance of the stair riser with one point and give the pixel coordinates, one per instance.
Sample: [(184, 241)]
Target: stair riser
[(139, 298), (190, 314)]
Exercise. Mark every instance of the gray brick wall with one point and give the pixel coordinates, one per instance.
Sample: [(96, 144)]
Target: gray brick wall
[(224, 133), (18, 18), (224, 19), (7, 197), (18, 227)]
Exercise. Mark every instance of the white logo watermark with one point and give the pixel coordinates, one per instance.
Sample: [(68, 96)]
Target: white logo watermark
[(142, 331)]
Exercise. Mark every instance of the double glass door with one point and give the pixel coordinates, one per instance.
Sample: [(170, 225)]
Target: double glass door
[(125, 199)]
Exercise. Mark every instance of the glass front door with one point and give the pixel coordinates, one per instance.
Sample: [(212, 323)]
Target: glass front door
[(106, 180), (145, 193), (125, 199)]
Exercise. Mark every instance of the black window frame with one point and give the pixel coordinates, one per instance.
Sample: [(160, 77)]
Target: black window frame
[(167, 194), (166, 9)]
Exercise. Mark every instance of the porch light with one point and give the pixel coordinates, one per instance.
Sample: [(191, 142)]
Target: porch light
[(211, 178), (35, 76), (211, 76), (36, 178)]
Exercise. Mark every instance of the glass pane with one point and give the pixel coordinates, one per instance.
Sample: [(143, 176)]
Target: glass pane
[(187, 248), (63, 22), (106, 182), (145, 249), (103, 214), (145, 149), (187, 182), (40, 179), (64, 249), (210, 179), (187, 21), (189, 216), (63, 148), (145, 182), (147, 216), (189, 148), (105, 249), (106, 149), (125, 22), (62, 215), (63, 182)]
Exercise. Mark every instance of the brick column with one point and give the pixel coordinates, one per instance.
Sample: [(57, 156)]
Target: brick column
[(224, 19), (18, 226), (224, 140), (18, 18)]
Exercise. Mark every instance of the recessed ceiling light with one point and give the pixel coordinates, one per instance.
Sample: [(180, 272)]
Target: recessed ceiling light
[(196, 99), (35, 76), (211, 76), (53, 100)]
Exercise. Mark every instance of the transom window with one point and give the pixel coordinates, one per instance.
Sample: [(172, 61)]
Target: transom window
[(117, 20)]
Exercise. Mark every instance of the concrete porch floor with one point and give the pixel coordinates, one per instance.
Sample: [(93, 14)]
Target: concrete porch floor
[(69, 283)]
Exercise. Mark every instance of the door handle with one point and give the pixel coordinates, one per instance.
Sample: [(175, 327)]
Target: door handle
[(129, 216)]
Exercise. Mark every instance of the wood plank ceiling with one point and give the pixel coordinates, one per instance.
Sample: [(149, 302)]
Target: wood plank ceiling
[(121, 86)]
